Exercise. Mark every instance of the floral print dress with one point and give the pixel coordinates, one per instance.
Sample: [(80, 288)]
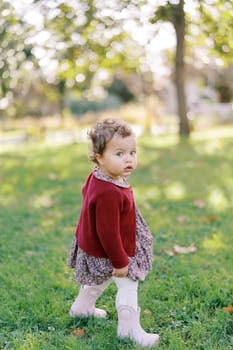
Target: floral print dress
[(90, 270)]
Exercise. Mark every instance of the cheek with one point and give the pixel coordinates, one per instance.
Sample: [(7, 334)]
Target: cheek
[(100, 161)]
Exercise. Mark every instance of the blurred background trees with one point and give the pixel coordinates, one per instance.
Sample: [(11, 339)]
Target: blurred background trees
[(62, 58)]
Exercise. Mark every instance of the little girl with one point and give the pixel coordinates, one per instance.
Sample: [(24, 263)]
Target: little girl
[(112, 240)]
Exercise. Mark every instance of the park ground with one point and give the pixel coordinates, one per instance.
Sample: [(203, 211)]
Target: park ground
[(185, 192)]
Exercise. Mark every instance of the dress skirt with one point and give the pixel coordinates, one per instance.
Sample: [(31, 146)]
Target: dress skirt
[(90, 270)]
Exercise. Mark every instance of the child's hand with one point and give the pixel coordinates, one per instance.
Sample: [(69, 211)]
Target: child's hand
[(123, 272)]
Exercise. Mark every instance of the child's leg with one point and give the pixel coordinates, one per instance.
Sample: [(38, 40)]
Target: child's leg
[(127, 292), (84, 304), (129, 313)]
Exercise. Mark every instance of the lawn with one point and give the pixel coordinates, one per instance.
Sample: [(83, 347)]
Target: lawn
[(185, 192)]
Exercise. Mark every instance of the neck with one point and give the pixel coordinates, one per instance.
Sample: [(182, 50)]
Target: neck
[(116, 178)]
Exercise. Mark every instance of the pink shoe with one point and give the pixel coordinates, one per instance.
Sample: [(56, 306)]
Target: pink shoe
[(129, 327), (84, 304)]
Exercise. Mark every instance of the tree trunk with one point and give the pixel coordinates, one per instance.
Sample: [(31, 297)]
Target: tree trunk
[(179, 24)]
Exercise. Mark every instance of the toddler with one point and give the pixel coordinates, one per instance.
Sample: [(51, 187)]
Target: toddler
[(112, 241)]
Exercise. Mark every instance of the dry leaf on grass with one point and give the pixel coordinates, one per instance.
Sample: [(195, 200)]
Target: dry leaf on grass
[(147, 312), (228, 309), (146, 205), (199, 203), (46, 202), (78, 332), (185, 250), (52, 176), (181, 219), (211, 218), (170, 252), (182, 250)]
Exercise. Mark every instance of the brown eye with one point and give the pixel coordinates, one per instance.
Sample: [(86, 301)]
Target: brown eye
[(119, 154)]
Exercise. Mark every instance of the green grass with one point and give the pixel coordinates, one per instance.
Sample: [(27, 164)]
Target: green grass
[(183, 297)]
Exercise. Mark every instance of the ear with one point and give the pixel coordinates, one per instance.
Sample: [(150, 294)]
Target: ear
[(99, 158)]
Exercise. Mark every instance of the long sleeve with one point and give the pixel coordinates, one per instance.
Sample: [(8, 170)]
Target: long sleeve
[(107, 223), (108, 208)]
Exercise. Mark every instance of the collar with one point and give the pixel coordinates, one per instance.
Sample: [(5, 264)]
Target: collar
[(99, 175)]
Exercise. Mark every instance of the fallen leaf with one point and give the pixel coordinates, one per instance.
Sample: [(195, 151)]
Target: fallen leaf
[(170, 252), (181, 250), (228, 309), (47, 202), (184, 250), (199, 203), (212, 218), (78, 332), (202, 219), (181, 219), (52, 176), (146, 205), (164, 208), (147, 312)]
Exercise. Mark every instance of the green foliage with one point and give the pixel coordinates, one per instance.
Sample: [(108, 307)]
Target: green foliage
[(81, 45), (91, 41), (13, 51), (216, 22), (168, 13), (213, 17), (183, 297), (80, 107), (118, 88)]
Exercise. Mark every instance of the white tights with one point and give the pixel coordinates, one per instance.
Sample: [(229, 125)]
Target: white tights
[(127, 291)]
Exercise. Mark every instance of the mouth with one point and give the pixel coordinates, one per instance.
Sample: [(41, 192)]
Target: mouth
[(128, 168)]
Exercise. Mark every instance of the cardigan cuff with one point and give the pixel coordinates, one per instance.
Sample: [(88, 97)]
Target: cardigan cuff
[(119, 264)]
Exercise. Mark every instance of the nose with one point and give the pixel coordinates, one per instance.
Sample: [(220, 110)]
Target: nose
[(129, 158)]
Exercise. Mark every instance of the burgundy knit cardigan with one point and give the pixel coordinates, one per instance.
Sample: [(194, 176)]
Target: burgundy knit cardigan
[(107, 222)]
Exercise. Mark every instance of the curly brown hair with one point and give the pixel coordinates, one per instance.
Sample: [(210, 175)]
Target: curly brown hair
[(103, 132)]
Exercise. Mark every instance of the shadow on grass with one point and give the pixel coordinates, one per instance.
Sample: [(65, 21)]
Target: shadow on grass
[(185, 192)]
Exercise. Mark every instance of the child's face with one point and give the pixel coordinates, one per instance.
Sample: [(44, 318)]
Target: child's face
[(119, 157)]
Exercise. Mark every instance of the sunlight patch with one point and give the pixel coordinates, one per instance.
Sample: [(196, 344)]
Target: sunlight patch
[(213, 146), (7, 200), (217, 200), (43, 201), (175, 191), (153, 193), (216, 242)]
